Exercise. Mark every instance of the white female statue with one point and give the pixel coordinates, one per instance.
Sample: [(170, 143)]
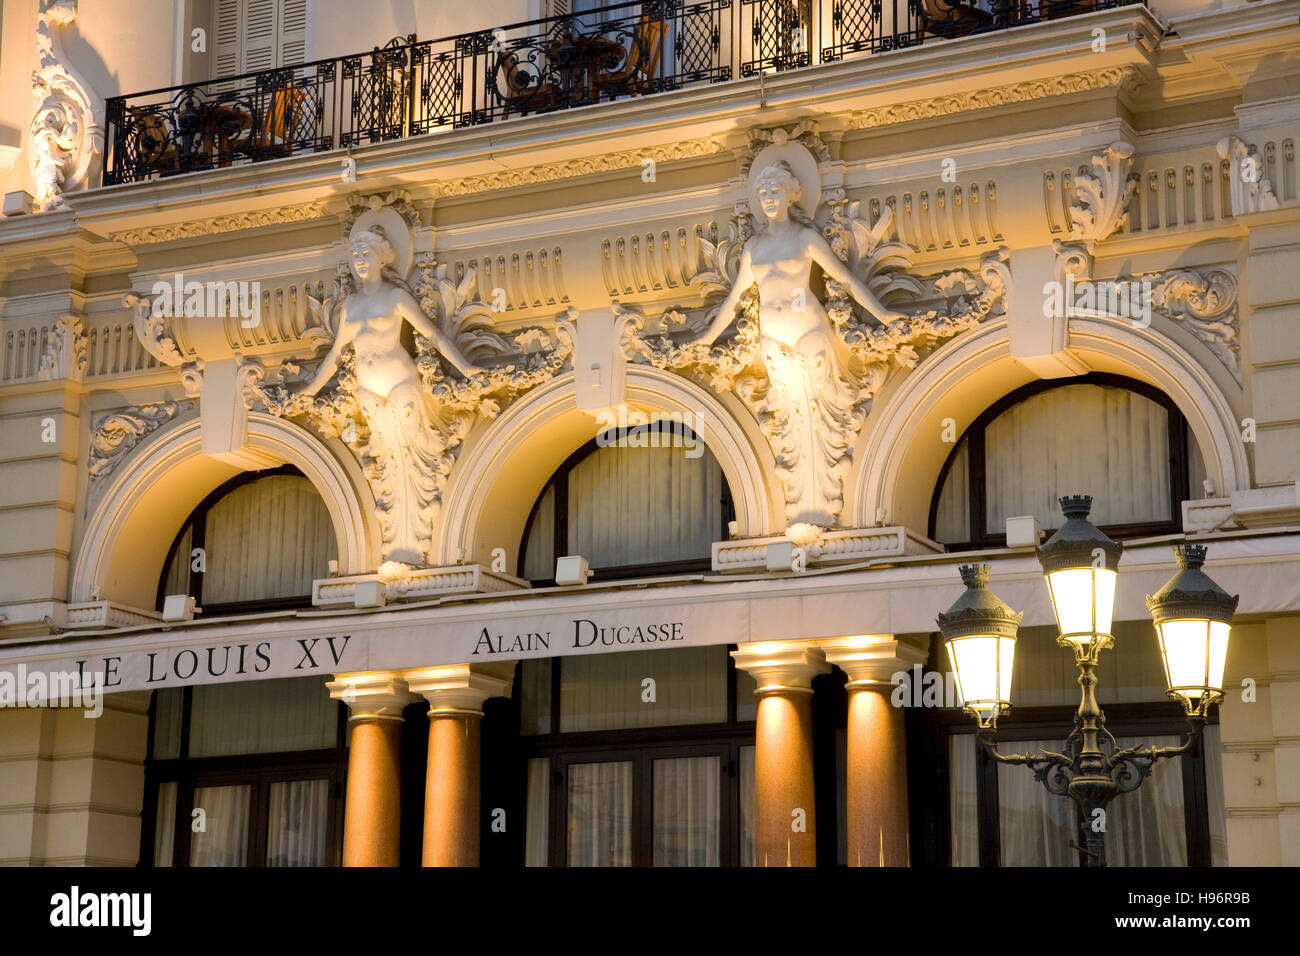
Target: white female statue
[(407, 454), (813, 399)]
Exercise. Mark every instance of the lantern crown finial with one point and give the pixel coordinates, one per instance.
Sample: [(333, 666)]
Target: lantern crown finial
[(974, 575), (1076, 506), (1190, 556)]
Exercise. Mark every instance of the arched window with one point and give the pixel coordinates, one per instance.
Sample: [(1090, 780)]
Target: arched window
[(1119, 440), (642, 500), (256, 543)]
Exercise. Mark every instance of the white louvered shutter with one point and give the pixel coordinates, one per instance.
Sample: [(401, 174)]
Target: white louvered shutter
[(254, 35), (559, 8)]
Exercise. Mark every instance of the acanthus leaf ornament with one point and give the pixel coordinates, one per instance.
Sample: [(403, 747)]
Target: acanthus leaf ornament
[(1101, 199), (1205, 301), (65, 135), (151, 330), (67, 353), (115, 434)]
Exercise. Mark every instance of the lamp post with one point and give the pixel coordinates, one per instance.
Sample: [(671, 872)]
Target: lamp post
[(1192, 615)]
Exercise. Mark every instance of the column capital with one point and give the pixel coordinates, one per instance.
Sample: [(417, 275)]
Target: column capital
[(781, 667), (871, 659), (460, 689), (374, 695)]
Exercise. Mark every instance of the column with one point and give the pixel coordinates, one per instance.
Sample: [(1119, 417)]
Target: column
[(455, 693), (373, 803), (785, 826), (877, 746)]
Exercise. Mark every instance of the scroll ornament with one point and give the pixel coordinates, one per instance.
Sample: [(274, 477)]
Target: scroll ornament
[(117, 433)]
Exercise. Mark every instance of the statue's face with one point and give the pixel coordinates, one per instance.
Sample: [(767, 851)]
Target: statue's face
[(774, 196), (366, 259)]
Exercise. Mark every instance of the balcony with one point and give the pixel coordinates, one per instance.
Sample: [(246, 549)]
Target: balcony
[(410, 87)]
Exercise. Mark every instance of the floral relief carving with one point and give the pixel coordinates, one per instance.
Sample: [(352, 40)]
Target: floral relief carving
[(807, 368), (116, 433), (1205, 301), (406, 415), (1125, 77), (67, 352), (216, 225)]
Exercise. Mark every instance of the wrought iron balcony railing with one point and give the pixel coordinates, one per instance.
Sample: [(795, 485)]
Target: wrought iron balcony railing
[(412, 87)]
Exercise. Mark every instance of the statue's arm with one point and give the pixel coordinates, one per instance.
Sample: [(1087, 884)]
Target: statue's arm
[(424, 325), (331, 360), (727, 311), (834, 267)]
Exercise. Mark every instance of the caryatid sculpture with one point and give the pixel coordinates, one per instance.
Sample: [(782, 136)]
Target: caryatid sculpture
[(406, 452), (813, 395)]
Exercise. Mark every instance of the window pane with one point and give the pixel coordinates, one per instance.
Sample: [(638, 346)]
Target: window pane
[(645, 505), (746, 806), (178, 565), (1213, 745), (165, 824), (269, 538), (537, 826), (224, 841), (1130, 672), (746, 696), (539, 549), (952, 516), (1143, 828), (605, 691), (265, 716), (1036, 827), (962, 802), (600, 814), (297, 821), (1109, 442), (1147, 827), (168, 707), (687, 807), (535, 697)]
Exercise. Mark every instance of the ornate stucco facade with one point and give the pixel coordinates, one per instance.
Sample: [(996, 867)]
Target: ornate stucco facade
[(827, 270)]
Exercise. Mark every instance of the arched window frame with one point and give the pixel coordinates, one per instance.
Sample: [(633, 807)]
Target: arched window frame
[(983, 537), (559, 532), (197, 523)]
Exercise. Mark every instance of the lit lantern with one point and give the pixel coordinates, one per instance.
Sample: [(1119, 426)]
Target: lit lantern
[(980, 631), (1081, 564), (1193, 617)]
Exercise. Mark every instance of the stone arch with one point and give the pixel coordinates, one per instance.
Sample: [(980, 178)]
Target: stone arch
[(496, 481), (903, 453), (126, 536)]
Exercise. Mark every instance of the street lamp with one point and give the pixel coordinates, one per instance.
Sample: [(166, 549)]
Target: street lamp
[(1192, 615)]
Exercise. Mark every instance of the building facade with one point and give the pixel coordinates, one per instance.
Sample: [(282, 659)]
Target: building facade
[(546, 434)]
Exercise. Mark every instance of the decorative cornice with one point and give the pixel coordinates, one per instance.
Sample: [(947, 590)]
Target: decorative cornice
[(219, 224), (572, 168), (1124, 77)]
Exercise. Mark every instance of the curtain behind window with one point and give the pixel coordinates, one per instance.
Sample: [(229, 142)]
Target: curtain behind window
[(265, 716), (600, 814), (644, 505), (297, 818), (605, 691), (1143, 828), (1108, 442), (224, 839), (266, 539)]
